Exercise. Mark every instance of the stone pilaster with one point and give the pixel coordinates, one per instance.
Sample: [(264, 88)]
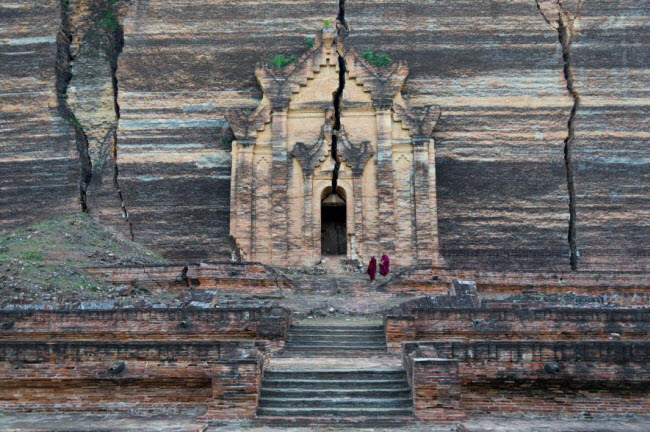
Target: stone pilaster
[(279, 182), (385, 183), (422, 200)]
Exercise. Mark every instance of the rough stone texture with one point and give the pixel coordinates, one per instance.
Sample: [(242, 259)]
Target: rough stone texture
[(612, 169), (494, 67), (575, 378), (221, 378), (147, 324), (245, 277), (508, 324), (39, 166), (180, 70)]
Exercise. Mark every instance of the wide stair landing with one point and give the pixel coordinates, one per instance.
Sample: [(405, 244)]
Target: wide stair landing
[(330, 340), (331, 374)]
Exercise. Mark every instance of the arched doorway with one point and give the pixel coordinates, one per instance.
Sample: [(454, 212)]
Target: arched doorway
[(333, 231)]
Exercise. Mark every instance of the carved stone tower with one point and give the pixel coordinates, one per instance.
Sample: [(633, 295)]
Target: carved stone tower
[(283, 210)]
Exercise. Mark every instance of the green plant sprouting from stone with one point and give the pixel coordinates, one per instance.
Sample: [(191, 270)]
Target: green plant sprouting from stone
[(326, 22), (102, 38), (379, 60), (309, 42), (279, 60)]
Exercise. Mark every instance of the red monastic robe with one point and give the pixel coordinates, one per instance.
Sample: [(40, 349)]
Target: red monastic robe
[(384, 267), (372, 268)]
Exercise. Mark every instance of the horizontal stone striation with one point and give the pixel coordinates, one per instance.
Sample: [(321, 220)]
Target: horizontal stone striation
[(220, 378), (436, 281), (495, 68), (453, 379), (147, 324), (516, 324), (610, 149), (180, 71), (39, 167), (251, 277)]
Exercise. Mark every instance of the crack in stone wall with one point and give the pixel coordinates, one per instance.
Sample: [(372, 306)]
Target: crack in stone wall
[(561, 15), (63, 74), (342, 31), (89, 43)]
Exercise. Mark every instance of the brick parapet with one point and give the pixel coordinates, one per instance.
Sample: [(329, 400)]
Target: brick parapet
[(576, 378), (508, 324), (220, 378), (270, 323)]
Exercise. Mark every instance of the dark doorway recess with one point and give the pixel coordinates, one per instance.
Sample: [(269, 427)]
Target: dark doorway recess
[(333, 233)]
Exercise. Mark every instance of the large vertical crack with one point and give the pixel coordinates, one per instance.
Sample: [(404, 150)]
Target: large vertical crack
[(63, 74), (556, 14), (342, 32), (89, 42), (118, 46)]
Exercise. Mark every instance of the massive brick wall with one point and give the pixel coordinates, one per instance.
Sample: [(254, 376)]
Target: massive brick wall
[(509, 324), (494, 67), (147, 324), (454, 379), (39, 167), (218, 378), (179, 71)]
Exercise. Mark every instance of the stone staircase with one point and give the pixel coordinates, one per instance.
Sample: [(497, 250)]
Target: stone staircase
[(352, 395), (329, 340), (328, 378)]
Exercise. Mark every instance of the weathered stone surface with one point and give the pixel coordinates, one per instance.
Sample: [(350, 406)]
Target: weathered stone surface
[(220, 377), (454, 379), (180, 71), (494, 68), (39, 167), (495, 71)]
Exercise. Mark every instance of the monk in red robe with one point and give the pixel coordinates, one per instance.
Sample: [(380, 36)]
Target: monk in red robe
[(384, 267), (372, 268)]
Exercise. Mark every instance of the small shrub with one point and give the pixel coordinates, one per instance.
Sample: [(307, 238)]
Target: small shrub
[(32, 256), (309, 42), (279, 60), (379, 60), (326, 22)]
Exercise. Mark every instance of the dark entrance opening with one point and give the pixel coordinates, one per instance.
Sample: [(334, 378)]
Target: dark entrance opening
[(333, 232)]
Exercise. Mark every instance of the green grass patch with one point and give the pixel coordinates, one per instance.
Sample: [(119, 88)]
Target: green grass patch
[(32, 256), (279, 60), (379, 60)]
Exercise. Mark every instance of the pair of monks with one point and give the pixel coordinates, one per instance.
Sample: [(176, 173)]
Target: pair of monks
[(384, 267)]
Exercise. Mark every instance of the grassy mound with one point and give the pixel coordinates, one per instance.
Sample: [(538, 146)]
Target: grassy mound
[(43, 262)]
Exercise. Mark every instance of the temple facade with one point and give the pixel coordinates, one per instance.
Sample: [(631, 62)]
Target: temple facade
[(310, 179)]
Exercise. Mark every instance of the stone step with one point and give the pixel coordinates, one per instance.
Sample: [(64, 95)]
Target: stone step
[(326, 421), (331, 353), (343, 337), (334, 342), (350, 384), (335, 402), (355, 375), (337, 328), (337, 393), (334, 347), (338, 412)]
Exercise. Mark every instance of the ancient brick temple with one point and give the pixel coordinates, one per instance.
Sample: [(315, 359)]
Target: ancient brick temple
[(283, 210)]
